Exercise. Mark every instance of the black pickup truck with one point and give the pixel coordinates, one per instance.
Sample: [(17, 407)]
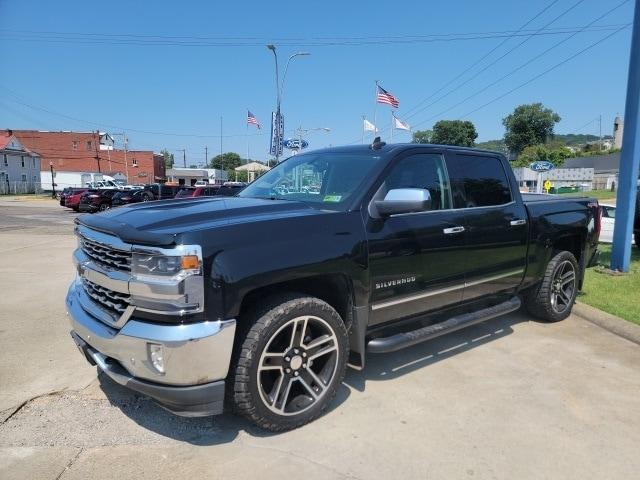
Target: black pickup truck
[(260, 301)]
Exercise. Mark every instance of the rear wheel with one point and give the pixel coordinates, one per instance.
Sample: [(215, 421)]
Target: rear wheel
[(290, 364), (104, 206), (553, 299)]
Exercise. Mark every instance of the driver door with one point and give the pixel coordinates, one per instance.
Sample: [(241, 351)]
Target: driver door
[(417, 260)]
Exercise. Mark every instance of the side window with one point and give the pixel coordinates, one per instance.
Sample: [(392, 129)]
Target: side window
[(427, 171), (478, 181)]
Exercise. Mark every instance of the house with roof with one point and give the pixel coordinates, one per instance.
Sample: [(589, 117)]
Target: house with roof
[(19, 166)]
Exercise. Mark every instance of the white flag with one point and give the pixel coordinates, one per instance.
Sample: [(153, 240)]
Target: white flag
[(369, 127), (400, 125)]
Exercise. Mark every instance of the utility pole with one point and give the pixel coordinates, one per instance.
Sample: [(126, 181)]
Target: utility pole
[(206, 157), (629, 158), (220, 136), (97, 151), (126, 166), (53, 182), (184, 157), (600, 145)]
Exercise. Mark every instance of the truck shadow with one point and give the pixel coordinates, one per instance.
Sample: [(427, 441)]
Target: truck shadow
[(225, 428)]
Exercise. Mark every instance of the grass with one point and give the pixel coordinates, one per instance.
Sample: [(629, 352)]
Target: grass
[(616, 294), (599, 194)]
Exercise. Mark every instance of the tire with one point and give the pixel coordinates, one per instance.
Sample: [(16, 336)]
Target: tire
[(147, 197), (289, 366), (104, 207), (636, 239), (553, 299)]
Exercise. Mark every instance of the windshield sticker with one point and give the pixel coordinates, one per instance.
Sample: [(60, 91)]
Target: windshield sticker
[(332, 198)]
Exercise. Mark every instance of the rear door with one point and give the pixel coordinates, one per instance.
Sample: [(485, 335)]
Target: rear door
[(495, 220)]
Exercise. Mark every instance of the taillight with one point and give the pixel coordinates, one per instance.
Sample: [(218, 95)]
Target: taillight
[(597, 218)]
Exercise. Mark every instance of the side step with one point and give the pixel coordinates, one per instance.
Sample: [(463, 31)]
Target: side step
[(407, 339)]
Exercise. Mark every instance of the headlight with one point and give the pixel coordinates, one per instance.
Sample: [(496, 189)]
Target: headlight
[(166, 264)]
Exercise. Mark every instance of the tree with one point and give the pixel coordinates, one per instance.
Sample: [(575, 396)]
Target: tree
[(226, 161), (422, 136), (168, 158), (529, 125), (554, 153), (461, 133)]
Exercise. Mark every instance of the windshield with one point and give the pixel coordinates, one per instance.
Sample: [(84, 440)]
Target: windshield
[(185, 192), (327, 180)]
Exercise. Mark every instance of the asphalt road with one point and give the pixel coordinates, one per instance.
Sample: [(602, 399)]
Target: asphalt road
[(509, 398)]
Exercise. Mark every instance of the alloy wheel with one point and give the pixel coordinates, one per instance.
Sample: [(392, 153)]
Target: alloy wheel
[(563, 287), (297, 365)]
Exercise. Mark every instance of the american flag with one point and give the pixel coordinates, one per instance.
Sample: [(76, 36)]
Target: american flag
[(252, 120), (386, 97)]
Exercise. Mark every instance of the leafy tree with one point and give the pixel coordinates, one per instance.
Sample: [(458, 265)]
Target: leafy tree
[(422, 136), (168, 158), (226, 161), (454, 132), (554, 153), (495, 145), (528, 125)]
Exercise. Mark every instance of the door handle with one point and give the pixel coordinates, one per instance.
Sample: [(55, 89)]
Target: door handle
[(520, 221), (449, 231)]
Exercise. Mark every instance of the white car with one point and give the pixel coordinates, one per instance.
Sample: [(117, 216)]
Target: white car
[(608, 221), (201, 183)]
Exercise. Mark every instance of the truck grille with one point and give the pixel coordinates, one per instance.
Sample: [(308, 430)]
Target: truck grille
[(114, 301), (105, 255)]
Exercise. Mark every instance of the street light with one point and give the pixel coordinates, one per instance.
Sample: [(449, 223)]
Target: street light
[(280, 89)]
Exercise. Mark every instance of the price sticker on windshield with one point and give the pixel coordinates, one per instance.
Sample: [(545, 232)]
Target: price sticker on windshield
[(332, 198)]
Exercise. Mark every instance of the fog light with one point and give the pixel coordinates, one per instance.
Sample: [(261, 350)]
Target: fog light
[(156, 354)]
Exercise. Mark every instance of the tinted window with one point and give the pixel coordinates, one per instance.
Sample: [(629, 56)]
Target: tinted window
[(478, 181), (184, 192), (427, 171)]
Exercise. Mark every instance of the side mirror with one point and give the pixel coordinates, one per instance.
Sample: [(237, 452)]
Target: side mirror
[(404, 200)]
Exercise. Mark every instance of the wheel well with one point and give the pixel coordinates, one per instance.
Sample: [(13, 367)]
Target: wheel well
[(571, 244), (334, 289)]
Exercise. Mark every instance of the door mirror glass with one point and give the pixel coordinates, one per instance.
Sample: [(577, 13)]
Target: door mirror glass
[(404, 200)]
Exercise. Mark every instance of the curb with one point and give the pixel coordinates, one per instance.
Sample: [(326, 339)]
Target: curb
[(611, 323)]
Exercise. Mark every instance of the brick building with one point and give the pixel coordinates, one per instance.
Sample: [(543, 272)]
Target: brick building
[(82, 152)]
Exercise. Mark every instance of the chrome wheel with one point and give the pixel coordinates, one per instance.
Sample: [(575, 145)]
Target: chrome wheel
[(298, 365), (563, 287)]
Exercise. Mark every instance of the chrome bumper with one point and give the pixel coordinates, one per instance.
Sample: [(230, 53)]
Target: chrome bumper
[(194, 354)]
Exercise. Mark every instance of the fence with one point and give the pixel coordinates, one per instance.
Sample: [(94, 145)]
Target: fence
[(19, 188)]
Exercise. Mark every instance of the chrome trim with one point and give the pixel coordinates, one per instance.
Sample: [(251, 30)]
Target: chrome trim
[(502, 205), (451, 230), (194, 353), (431, 293), (515, 223)]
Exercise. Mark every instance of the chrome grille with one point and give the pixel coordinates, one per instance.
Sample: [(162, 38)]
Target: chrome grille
[(115, 301), (105, 255)]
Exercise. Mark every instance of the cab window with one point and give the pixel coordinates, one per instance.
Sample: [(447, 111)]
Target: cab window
[(478, 181)]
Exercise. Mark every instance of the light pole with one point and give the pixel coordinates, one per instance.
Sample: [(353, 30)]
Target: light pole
[(53, 182), (279, 93)]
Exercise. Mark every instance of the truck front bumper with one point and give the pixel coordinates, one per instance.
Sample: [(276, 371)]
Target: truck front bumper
[(182, 367)]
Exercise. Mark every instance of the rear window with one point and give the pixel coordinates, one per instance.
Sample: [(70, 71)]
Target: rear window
[(478, 181), (184, 192)]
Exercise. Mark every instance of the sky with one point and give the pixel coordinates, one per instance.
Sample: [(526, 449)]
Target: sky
[(167, 72)]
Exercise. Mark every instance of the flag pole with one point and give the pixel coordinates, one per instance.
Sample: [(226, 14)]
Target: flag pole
[(247, 135), (363, 118), (375, 110), (392, 124)]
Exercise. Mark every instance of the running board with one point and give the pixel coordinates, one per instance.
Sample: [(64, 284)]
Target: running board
[(407, 339)]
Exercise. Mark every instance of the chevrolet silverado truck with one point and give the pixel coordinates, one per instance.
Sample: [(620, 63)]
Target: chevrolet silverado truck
[(259, 302)]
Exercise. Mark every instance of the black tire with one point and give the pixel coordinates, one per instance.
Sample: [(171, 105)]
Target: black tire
[(104, 207), (546, 301), (250, 391), (636, 239), (147, 197)]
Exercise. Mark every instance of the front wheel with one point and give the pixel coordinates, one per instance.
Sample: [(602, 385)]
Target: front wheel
[(553, 299), (290, 364)]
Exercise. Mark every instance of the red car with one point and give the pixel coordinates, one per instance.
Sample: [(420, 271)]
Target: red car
[(191, 192), (73, 201)]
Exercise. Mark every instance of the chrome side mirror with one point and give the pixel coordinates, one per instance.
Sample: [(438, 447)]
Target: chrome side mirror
[(404, 200)]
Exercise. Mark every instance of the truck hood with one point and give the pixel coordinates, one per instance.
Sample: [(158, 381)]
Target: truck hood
[(159, 223)]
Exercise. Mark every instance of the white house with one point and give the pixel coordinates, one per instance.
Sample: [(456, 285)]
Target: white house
[(19, 167)]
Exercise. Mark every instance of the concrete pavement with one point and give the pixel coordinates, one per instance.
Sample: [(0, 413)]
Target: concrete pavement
[(509, 398)]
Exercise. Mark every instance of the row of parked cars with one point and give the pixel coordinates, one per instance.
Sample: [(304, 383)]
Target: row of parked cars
[(101, 199)]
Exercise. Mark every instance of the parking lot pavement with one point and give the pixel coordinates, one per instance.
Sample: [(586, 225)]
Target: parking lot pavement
[(509, 398)]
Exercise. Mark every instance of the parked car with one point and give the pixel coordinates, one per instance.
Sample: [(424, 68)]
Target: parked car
[(96, 200), (158, 191), (636, 222), (67, 192), (193, 192), (263, 299), (608, 223), (72, 201), (126, 197), (201, 183), (230, 189)]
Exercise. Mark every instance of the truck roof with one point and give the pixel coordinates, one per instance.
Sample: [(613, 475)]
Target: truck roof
[(390, 148)]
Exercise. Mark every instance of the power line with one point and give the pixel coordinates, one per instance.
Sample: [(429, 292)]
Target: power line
[(580, 52), (132, 40), (407, 114), (486, 67), (520, 67)]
